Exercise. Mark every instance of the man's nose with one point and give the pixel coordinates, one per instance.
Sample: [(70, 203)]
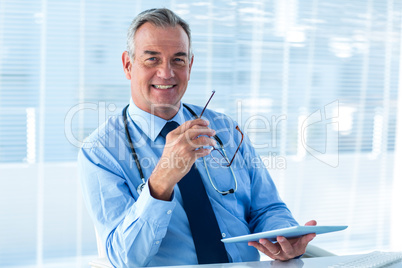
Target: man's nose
[(165, 71)]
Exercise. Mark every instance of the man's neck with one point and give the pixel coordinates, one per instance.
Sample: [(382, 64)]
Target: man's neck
[(164, 111)]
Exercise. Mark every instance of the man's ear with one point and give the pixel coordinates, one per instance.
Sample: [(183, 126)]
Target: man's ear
[(190, 65), (127, 65)]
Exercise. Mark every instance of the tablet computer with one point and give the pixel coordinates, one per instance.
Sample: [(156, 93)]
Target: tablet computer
[(290, 232)]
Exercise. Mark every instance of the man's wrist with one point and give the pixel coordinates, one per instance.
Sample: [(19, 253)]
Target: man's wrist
[(159, 189)]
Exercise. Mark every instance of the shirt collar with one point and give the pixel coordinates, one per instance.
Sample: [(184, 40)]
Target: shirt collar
[(151, 124)]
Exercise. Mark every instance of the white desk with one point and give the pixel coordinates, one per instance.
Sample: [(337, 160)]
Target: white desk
[(304, 262)]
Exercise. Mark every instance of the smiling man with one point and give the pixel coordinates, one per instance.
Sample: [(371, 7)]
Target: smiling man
[(159, 68), (156, 195)]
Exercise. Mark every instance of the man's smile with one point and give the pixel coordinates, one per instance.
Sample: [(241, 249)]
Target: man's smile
[(163, 86)]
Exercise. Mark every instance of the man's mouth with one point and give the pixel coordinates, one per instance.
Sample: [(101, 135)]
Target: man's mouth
[(163, 86)]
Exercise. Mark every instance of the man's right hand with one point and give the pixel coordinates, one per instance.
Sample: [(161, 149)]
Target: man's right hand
[(183, 147)]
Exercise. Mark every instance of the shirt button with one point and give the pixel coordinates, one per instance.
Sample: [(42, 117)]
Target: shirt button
[(157, 242), (169, 211), (223, 235)]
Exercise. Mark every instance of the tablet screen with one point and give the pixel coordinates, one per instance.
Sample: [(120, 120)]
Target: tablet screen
[(290, 232)]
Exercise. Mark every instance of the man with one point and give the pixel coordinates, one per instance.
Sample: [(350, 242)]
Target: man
[(151, 223)]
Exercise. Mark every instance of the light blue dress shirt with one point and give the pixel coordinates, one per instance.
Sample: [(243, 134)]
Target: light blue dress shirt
[(139, 230)]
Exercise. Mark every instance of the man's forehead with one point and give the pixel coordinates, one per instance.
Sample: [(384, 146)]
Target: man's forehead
[(153, 38)]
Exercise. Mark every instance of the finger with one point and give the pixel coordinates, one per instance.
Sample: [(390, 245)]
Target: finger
[(188, 124), (286, 246), (202, 141), (311, 223), (271, 247), (197, 130), (201, 152), (300, 244), (261, 248), (305, 239)]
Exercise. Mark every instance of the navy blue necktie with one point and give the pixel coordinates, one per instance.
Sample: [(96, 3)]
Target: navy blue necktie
[(203, 224)]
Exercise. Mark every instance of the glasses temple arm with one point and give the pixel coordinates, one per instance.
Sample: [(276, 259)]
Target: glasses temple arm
[(205, 107), (238, 147)]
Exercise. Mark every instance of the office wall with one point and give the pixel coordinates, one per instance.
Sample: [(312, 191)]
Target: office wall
[(46, 219)]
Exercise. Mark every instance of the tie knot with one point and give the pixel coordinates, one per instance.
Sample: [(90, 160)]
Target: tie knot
[(168, 127)]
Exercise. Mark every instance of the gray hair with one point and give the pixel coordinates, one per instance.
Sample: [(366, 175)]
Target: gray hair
[(160, 17)]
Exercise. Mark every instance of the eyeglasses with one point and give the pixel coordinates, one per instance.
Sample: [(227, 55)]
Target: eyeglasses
[(219, 154)]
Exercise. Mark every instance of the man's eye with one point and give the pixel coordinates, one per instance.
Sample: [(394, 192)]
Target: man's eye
[(152, 59), (179, 60)]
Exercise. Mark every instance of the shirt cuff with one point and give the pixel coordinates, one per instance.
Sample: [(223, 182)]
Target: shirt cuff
[(152, 210)]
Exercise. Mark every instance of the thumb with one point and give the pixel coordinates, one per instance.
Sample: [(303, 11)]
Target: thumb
[(311, 223)]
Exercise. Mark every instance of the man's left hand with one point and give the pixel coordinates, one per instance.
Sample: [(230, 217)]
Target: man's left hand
[(285, 249)]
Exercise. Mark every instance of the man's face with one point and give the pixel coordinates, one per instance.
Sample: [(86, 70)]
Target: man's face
[(161, 69)]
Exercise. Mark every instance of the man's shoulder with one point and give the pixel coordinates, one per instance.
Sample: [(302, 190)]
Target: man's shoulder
[(193, 109), (112, 126)]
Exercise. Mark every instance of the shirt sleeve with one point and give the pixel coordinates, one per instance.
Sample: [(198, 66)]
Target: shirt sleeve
[(131, 230)]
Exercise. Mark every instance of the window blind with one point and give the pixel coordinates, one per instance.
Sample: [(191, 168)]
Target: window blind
[(313, 83)]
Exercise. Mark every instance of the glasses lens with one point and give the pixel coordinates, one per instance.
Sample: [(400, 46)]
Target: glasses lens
[(219, 157)]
